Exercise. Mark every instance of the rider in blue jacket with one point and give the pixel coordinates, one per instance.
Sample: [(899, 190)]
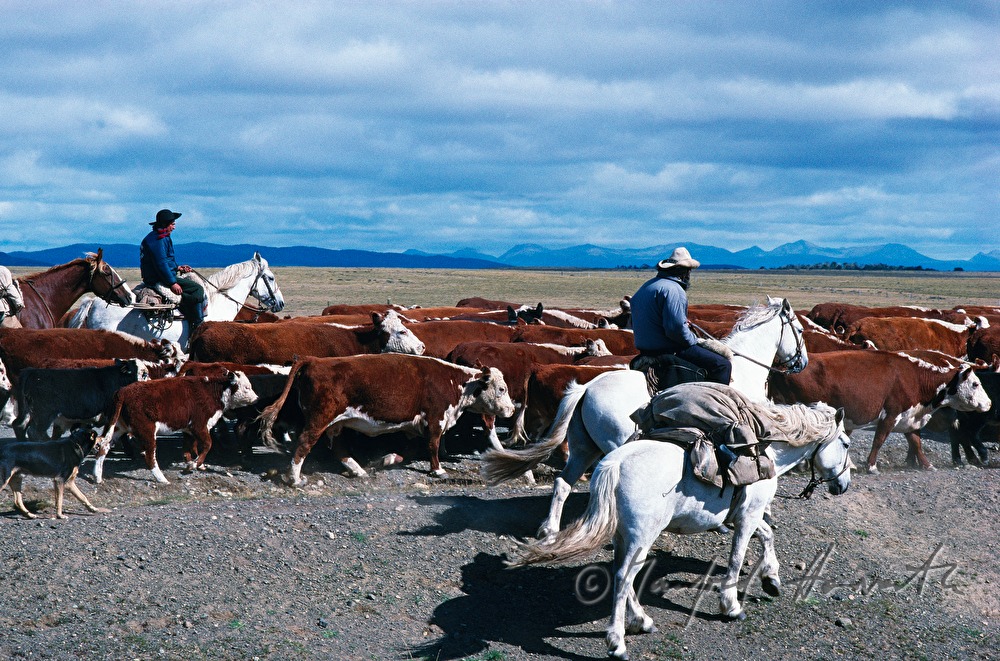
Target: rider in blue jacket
[(158, 266), (659, 318)]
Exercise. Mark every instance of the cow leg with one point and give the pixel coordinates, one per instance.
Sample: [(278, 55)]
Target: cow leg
[(145, 435), (915, 451), (307, 439), (203, 444), (881, 433), (433, 449), (340, 450)]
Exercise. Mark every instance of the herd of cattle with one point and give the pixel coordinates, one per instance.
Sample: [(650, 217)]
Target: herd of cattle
[(380, 369)]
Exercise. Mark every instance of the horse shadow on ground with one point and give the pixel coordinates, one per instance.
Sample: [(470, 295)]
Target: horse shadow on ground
[(533, 608), (519, 516)]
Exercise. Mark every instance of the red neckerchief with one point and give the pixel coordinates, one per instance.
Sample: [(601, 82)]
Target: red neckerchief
[(162, 232)]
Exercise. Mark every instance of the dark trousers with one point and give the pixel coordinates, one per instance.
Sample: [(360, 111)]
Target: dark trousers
[(719, 369), (192, 304)]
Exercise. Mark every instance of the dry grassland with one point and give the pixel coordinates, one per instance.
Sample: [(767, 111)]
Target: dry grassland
[(308, 290)]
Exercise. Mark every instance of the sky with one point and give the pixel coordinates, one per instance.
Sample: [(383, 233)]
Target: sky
[(439, 126)]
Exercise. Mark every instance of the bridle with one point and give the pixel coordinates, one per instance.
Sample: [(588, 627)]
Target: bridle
[(268, 304), (792, 365), (814, 481), (112, 276)]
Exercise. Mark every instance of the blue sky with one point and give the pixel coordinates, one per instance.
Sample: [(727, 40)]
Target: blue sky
[(442, 125)]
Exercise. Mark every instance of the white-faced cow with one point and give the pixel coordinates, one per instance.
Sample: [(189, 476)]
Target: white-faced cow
[(385, 393), (279, 344), (890, 391), (188, 404)]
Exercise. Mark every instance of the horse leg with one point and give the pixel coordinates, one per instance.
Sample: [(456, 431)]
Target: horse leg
[(579, 461), (915, 451), (769, 561), (627, 616), (729, 603)]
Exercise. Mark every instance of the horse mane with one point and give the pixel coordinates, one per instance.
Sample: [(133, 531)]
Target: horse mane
[(755, 315), (801, 424), (227, 278)]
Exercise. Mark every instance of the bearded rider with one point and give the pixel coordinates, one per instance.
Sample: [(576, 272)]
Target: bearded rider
[(659, 320)]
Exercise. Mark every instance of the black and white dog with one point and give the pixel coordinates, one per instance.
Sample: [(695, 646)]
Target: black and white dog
[(59, 460)]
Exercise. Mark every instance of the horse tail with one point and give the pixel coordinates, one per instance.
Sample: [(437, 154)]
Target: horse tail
[(78, 318), (502, 465), (268, 416), (586, 535)]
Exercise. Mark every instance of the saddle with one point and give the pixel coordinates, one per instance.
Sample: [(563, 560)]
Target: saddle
[(158, 304), (666, 370)]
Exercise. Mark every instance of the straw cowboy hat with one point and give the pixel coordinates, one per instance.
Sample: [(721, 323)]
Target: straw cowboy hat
[(680, 257)]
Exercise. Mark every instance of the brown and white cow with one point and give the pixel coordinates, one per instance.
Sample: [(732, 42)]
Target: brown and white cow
[(26, 347), (379, 394), (188, 404), (984, 344), (545, 389), (279, 344), (839, 317), (905, 333), (441, 337), (884, 389), (618, 342)]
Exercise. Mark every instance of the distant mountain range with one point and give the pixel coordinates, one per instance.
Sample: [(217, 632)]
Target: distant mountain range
[(521, 256)]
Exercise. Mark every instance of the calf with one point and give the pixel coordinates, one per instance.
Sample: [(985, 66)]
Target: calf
[(984, 344), (385, 393), (75, 395), (891, 391), (188, 404)]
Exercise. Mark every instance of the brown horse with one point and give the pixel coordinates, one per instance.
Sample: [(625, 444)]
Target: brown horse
[(48, 295)]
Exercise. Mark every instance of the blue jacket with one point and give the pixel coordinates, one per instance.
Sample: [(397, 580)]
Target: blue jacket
[(659, 316), (156, 260)]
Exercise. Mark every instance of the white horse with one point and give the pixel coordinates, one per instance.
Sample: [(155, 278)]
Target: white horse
[(646, 486), (226, 291), (594, 417)]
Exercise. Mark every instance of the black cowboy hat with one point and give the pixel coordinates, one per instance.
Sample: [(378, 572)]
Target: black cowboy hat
[(164, 217)]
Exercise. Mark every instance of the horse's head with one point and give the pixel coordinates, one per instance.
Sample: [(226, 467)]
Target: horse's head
[(831, 462), (791, 354), (106, 283), (265, 287)]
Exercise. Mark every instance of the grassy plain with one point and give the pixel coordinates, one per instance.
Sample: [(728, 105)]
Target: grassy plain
[(308, 290)]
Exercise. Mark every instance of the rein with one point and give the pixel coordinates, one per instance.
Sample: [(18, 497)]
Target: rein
[(106, 296), (267, 307), (785, 367), (814, 481)]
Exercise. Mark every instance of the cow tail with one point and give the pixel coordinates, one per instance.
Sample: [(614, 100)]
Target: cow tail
[(270, 414), (79, 318), (503, 465), (586, 535)]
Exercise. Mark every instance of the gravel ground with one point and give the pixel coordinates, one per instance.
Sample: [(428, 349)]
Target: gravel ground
[(229, 564)]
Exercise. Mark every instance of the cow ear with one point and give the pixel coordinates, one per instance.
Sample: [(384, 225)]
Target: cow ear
[(538, 309), (377, 318), (511, 314), (602, 322)]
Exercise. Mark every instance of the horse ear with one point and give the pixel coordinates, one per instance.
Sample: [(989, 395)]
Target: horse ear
[(841, 414), (100, 255), (256, 255)]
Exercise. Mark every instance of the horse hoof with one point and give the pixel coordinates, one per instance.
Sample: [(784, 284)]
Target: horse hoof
[(439, 473), (739, 617), (771, 587), (873, 470)]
